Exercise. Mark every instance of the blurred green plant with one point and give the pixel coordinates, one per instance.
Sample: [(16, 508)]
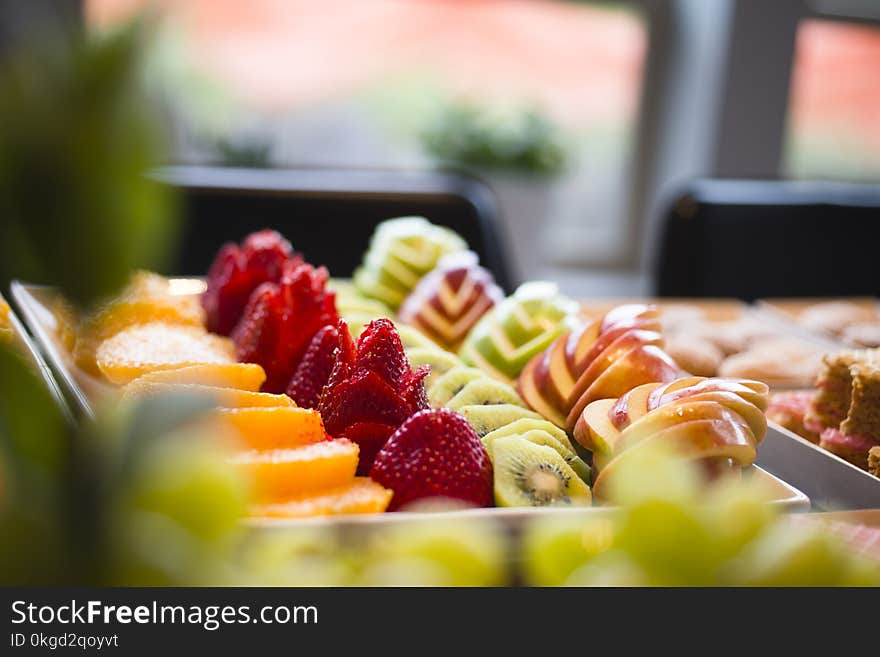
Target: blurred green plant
[(143, 496), (79, 134), (522, 141)]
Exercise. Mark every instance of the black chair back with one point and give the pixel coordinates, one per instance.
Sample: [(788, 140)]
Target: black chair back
[(328, 214), (753, 239)]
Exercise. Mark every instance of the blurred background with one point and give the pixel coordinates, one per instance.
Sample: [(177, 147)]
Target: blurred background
[(587, 120)]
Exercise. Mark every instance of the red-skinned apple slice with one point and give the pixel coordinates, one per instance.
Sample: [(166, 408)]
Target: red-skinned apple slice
[(595, 430), (644, 364), (632, 406)]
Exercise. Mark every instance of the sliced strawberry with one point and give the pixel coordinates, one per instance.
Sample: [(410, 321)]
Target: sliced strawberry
[(414, 394), (314, 369), (280, 321), (370, 437), (237, 271), (365, 397), (434, 453), (379, 349)]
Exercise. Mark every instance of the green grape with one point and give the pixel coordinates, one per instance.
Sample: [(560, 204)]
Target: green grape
[(611, 568), (790, 555), (191, 483), (406, 571), (670, 543), (151, 549), (654, 472), (302, 556), (471, 551), (555, 547), (737, 513)]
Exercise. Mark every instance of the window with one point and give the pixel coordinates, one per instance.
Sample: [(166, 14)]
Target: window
[(360, 83), (833, 125)]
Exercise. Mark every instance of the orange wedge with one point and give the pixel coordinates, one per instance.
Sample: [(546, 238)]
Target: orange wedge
[(280, 474), (241, 376), (142, 348), (361, 496), (275, 428), (146, 299), (225, 397)]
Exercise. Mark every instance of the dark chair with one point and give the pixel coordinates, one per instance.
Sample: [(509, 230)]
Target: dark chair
[(753, 239), (328, 214)]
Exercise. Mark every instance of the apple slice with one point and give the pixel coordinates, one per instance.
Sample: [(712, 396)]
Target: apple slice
[(644, 364), (632, 406), (595, 430)]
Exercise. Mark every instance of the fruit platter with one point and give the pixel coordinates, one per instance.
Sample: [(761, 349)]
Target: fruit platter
[(417, 380)]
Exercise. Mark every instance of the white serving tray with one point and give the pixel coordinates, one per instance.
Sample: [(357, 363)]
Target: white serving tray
[(83, 390), (831, 483), (23, 342)]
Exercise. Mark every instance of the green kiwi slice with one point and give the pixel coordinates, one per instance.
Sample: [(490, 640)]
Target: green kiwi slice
[(542, 432), (488, 418), (485, 392), (528, 474), (450, 383)]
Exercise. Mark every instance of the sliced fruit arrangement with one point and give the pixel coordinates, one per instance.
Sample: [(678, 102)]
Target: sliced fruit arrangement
[(604, 359), (237, 271), (371, 390), (280, 321), (146, 299), (435, 453), (522, 325), (450, 299), (295, 469), (718, 422), (401, 251)]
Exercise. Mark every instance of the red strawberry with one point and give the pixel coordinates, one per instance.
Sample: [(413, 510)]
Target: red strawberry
[(365, 397), (370, 437), (379, 349), (414, 394), (280, 321), (314, 369), (237, 271), (434, 453), (371, 389)]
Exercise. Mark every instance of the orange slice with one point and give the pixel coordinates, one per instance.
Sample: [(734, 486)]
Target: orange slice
[(361, 496), (225, 397), (147, 298), (275, 428), (143, 348), (280, 474), (241, 376)]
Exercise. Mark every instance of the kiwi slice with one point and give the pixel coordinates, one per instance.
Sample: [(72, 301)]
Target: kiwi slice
[(412, 338), (485, 392), (449, 384), (527, 474), (535, 432), (439, 360), (530, 424), (488, 418)]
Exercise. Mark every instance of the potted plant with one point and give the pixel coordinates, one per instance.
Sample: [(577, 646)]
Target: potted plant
[(520, 153)]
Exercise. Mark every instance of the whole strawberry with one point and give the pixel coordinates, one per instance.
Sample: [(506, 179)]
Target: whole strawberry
[(237, 271), (435, 453)]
